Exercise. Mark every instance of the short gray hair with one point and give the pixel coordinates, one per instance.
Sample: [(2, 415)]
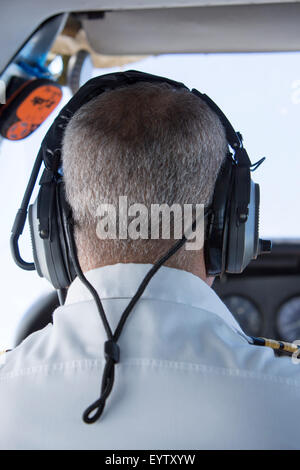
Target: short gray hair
[(150, 142)]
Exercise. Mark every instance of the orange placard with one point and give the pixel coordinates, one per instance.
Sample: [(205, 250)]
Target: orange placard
[(39, 104), (32, 111)]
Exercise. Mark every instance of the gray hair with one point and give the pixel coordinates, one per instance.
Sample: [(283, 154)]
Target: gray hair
[(150, 142)]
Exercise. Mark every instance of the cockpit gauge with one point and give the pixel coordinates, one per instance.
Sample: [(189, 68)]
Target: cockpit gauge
[(288, 320), (245, 312)]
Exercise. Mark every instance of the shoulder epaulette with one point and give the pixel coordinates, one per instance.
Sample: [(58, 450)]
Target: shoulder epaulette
[(277, 345)]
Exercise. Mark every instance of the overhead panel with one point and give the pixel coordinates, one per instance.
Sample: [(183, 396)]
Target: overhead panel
[(269, 27)]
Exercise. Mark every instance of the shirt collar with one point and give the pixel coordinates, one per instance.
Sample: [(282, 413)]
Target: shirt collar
[(168, 284)]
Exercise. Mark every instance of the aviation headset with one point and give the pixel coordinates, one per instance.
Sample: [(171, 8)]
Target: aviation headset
[(232, 239)]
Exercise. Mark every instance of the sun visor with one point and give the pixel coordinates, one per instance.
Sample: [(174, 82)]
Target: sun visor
[(227, 28)]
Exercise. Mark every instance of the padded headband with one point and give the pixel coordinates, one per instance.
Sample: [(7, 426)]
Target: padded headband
[(52, 143)]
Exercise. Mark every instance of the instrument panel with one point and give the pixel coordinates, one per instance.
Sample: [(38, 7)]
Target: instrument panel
[(265, 299), (245, 312)]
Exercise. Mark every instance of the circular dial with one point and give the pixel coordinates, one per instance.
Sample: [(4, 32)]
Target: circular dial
[(288, 320), (245, 312)]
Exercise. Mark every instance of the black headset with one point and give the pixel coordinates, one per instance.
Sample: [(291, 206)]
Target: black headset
[(232, 238)]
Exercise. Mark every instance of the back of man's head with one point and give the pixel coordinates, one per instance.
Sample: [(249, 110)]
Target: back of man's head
[(149, 142)]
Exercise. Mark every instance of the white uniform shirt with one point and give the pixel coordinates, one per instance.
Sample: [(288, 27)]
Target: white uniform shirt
[(187, 377)]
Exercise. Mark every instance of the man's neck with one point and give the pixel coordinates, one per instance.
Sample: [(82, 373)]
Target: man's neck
[(194, 267)]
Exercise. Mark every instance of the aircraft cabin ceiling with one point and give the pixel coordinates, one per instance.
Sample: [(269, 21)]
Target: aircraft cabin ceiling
[(157, 26)]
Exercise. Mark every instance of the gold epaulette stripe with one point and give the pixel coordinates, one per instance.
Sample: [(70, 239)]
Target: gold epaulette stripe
[(278, 345), (290, 347)]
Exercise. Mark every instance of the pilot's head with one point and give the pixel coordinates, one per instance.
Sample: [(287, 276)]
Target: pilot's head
[(149, 143)]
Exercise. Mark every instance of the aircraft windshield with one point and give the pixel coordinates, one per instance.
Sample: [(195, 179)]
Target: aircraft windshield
[(259, 93)]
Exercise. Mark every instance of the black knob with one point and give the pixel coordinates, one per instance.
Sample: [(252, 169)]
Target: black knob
[(265, 246)]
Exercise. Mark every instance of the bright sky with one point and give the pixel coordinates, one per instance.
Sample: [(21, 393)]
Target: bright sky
[(259, 93)]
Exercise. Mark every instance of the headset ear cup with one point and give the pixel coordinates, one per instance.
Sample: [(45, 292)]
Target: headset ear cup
[(217, 227), (50, 245), (64, 215), (37, 243), (243, 236)]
